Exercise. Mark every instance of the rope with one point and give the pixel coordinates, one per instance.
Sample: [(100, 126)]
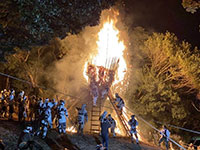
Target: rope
[(25, 81), (156, 129), (15, 78), (188, 130), (12, 77)]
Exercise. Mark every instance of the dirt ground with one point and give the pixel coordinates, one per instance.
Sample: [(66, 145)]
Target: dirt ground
[(10, 131)]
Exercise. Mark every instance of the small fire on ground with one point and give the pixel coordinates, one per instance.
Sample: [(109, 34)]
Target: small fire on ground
[(71, 129)]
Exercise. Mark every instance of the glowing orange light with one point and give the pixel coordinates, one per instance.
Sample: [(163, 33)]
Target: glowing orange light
[(71, 129), (109, 48)]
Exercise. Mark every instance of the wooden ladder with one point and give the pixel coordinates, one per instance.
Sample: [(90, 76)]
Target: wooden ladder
[(95, 114), (122, 119)]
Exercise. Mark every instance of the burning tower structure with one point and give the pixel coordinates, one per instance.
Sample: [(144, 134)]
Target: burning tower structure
[(108, 67), (105, 71)]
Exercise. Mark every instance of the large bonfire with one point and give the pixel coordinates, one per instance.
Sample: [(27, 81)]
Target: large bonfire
[(108, 67)]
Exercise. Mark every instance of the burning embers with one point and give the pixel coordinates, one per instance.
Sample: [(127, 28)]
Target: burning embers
[(108, 67), (100, 79)]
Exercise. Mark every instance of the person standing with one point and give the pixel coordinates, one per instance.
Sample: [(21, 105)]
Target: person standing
[(120, 103), (133, 124), (11, 103), (82, 117), (165, 136), (113, 124), (62, 114), (105, 125)]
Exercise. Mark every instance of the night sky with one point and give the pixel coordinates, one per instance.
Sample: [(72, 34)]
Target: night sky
[(164, 15)]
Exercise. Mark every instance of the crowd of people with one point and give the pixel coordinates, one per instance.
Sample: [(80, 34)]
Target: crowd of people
[(38, 115), (107, 122)]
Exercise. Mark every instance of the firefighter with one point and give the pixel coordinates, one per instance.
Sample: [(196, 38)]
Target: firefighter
[(103, 116), (113, 124), (44, 126), (62, 114), (47, 106), (133, 124), (165, 136), (82, 117), (44, 111), (105, 125), (120, 102), (11, 103)]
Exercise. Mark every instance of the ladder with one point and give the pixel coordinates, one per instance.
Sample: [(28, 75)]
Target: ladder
[(122, 119), (95, 114)]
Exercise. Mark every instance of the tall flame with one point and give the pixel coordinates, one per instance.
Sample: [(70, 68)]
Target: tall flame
[(109, 48)]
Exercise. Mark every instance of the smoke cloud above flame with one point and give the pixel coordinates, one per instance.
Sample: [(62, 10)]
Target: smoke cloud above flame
[(83, 47)]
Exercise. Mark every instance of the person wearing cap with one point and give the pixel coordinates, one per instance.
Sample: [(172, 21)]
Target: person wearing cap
[(61, 115), (105, 125), (165, 136), (82, 117), (133, 124), (113, 124)]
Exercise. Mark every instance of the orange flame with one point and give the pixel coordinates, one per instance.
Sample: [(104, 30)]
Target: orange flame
[(109, 48), (71, 129)]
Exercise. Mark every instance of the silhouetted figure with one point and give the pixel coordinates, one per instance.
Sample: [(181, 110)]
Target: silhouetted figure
[(105, 125)]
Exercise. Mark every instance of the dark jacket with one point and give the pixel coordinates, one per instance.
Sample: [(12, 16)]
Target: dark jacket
[(105, 125)]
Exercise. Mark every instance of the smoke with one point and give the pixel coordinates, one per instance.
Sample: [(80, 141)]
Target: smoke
[(68, 73)]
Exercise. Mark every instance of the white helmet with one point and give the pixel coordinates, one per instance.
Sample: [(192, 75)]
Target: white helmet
[(46, 100), (29, 128)]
